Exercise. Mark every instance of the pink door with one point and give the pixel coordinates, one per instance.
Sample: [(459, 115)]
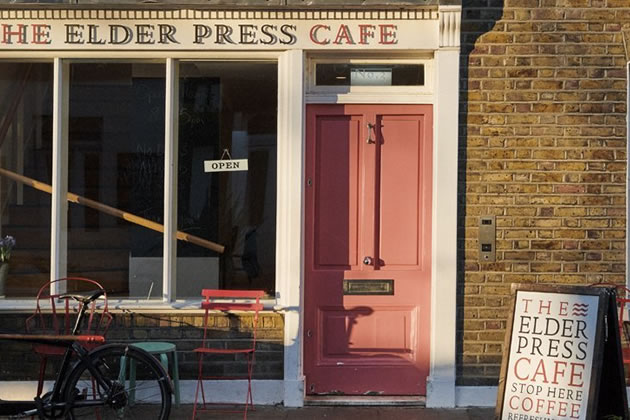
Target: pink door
[(368, 249)]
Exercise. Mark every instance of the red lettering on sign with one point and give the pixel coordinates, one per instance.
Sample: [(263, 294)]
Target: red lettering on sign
[(563, 309), (575, 411), (526, 305), (8, 33), (365, 32), (388, 34), (551, 406), (540, 370), (41, 34), (314, 34), (558, 372), (576, 371), (344, 33), (541, 306), (516, 368), (562, 408)]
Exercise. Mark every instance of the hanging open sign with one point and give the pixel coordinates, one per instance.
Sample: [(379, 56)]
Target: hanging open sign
[(226, 165)]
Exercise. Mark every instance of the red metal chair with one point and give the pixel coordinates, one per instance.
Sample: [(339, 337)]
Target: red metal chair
[(223, 300), (54, 316), (623, 303)]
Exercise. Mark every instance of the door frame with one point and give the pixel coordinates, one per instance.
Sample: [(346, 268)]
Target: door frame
[(419, 334), (443, 95)]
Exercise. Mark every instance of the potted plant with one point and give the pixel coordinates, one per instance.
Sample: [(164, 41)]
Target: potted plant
[(6, 246)]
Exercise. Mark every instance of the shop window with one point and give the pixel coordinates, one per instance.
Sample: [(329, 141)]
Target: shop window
[(116, 158), (228, 112), (25, 150), (115, 125)]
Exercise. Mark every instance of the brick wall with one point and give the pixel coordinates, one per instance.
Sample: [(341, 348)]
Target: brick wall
[(184, 329), (543, 148)]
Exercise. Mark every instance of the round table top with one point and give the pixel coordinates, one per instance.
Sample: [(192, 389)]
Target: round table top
[(155, 346)]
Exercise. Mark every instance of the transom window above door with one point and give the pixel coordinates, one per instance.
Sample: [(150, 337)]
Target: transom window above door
[(362, 78)]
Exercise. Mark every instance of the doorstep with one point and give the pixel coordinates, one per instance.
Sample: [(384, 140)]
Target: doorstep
[(349, 400)]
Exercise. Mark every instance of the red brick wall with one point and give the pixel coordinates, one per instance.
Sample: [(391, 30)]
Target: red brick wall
[(543, 148)]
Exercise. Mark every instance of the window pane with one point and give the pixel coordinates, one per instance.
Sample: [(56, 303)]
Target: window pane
[(116, 157), (227, 110), (25, 149), (369, 75)]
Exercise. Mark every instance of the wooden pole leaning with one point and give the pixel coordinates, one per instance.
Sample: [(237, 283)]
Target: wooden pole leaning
[(112, 211)]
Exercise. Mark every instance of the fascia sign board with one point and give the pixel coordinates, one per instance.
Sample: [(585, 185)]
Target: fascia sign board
[(217, 34)]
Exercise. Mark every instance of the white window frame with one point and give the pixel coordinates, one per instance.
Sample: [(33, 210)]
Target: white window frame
[(286, 118)]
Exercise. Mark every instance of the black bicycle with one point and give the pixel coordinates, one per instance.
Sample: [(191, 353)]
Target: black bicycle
[(112, 381)]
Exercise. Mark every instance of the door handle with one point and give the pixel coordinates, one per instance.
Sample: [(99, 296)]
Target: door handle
[(370, 128), (367, 260)]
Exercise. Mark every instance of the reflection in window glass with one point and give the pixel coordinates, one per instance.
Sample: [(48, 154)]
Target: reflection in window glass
[(25, 149), (227, 110), (116, 157), (369, 74)]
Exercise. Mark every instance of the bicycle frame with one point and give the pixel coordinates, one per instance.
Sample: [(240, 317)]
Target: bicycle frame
[(73, 345)]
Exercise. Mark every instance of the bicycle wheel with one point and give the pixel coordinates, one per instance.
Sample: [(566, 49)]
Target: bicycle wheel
[(130, 383)]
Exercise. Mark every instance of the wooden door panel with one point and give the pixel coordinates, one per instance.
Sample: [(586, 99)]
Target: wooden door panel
[(400, 191), (336, 187), (370, 334)]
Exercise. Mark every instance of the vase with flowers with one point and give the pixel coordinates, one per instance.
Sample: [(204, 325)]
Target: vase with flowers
[(6, 246)]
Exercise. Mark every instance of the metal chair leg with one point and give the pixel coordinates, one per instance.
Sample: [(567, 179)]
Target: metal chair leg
[(199, 385), (42, 373)]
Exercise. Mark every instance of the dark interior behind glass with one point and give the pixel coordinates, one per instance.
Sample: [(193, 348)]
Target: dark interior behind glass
[(26, 97), (116, 157), (228, 110)]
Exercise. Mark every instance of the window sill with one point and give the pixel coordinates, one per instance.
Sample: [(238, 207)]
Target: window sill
[(122, 305)]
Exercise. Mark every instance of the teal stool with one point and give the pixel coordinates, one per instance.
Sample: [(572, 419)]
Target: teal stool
[(163, 350)]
